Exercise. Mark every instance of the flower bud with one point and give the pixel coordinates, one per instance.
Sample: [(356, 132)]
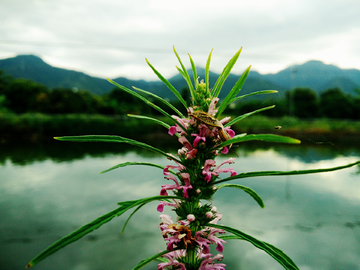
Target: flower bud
[(190, 217), (209, 214)]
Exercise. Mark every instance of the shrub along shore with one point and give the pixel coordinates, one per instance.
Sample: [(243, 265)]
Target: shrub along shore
[(43, 127)]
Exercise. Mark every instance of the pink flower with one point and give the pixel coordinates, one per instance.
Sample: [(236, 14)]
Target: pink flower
[(166, 220), (209, 163), (225, 120), (218, 217), (209, 264), (219, 242), (190, 217), (203, 130), (161, 205), (212, 111), (209, 214), (230, 132), (185, 143), (217, 170), (172, 130), (202, 241), (225, 150), (173, 256), (186, 178), (191, 154), (177, 129)]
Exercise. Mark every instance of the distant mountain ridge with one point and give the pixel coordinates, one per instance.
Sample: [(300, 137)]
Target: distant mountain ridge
[(313, 74)]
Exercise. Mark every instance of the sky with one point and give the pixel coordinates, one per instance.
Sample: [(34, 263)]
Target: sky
[(112, 38)]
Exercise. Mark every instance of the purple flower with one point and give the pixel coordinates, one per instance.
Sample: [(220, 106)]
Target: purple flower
[(212, 110), (203, 131), (219, 242), (173, 256), (202, 241), (209, 163), (209, 264)]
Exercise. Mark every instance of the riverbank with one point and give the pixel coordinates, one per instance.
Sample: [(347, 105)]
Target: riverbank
[(41, 127)]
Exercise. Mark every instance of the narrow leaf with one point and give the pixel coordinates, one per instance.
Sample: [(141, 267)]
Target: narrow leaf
[(116, 139), (150, 259), (253, 94), (274, 252), (193, 67), (168, 84), (147, 102), (128, 219), (134, 163), (259, 137), (185, 73), (167, 103), (234, 91), (151, 119), (207, 67), (295, 172), (248, 190), (225, 73), (241, 117), (88, 228)]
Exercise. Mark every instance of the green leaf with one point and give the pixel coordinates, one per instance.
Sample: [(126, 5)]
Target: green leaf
[(150, 259), (234, 91), (259, 137), (128, 219), (147, 102), (161, 100), (116, 139), (241, 117), (193, 67), (185, 74), (248, 190), (207, 67), (168, 84), (135, 163), (225, 73), (151, 119), (274, 252), (253, 94), (295, 172), (88, 228)]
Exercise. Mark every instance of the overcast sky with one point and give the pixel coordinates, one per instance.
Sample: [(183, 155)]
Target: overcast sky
[(111, 38)]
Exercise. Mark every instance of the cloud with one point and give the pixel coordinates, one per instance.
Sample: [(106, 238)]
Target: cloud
[(112, 38)]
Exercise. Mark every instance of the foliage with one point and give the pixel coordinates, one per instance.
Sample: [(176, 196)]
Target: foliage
[(24, 96), (196, 176)]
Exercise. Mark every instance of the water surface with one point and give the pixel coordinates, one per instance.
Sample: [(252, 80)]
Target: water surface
[(47, 191)]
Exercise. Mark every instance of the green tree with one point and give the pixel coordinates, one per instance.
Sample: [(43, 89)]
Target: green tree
[(335, 104), (22, 95), (64, 100), (121, 102), (302, 102)]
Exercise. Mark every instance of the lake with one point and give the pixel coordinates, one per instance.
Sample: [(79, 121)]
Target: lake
[(49, 190)]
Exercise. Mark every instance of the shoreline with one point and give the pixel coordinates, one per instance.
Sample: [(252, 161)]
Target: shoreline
[(35, 128)]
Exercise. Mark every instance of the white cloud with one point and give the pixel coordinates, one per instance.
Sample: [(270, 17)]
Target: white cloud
[(104, 38)]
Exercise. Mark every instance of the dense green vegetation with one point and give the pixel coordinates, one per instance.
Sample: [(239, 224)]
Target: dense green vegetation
[(24, 96), (32, 111)]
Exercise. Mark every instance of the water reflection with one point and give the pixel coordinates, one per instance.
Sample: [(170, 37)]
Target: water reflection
[(49, 190)]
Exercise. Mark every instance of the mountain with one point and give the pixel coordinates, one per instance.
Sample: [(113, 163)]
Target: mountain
[(317, 76), (159, 88), (34, 68), (313, 74)]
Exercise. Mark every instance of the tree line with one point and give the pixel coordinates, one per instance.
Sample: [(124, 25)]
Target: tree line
[(26, 96), (306, 103)]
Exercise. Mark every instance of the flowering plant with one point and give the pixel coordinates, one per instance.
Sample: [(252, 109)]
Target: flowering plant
[(194, 175)]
